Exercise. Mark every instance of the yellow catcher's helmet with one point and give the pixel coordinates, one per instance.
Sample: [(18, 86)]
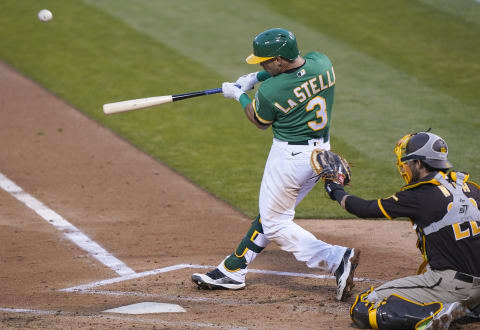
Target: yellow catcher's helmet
[(425, 146)]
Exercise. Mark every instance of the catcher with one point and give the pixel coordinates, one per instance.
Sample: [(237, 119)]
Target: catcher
[(443, 207)]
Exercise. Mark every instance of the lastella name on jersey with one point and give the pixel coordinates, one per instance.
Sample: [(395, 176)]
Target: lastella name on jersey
[(309, 88)]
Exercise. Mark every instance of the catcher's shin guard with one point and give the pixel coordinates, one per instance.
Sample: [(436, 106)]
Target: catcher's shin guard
[(392, 313), (252, 244), (396, 313)]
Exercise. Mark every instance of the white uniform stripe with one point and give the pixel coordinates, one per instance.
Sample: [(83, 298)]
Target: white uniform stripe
[(70, 231)]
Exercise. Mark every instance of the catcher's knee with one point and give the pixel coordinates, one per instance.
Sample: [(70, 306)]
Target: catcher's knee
[(393, 312)]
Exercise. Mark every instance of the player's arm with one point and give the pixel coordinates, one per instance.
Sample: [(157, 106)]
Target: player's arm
[(355, 205), (401, 204), (246, 83), (362, 208), (231, 90), (252, 116)]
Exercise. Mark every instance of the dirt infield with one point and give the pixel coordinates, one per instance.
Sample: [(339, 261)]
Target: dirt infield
[(154, 229)]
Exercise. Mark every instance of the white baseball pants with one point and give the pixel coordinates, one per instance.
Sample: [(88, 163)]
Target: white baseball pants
[(287, 179)]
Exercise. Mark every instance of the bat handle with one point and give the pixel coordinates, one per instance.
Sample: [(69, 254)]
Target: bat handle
[(213, 91), (216, 90)]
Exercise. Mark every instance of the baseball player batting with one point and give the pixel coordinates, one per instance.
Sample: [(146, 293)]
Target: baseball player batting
[(295, 99)]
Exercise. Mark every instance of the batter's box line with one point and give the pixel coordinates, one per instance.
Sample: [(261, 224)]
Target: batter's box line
[(124, 278)]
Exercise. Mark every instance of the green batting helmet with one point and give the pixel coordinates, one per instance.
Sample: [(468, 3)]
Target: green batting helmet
[(272, 43)]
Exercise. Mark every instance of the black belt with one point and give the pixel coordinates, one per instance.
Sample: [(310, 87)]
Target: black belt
[(463, 277), (305, 143), (325, 138), (299, 143)]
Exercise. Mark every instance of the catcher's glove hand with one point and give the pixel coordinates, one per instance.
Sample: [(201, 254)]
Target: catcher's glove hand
[(330, 166)]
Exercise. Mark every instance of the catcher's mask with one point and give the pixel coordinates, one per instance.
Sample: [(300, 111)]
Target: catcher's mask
[(425, 146)]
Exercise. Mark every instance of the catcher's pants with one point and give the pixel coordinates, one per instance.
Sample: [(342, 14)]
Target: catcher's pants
[(434, 285), (287, 179)]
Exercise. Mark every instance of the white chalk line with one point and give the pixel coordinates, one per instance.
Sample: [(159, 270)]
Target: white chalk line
[(154, 321), (126, 278), (69, 230), (27, 311), (182, 266)]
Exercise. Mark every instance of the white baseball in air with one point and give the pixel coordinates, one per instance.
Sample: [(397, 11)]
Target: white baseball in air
[(45, 15)]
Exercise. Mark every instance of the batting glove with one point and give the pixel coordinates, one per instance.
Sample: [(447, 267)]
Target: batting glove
[(247, 82), (231, 91)]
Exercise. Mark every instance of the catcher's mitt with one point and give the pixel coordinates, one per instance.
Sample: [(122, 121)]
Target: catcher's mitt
[(330, 166)]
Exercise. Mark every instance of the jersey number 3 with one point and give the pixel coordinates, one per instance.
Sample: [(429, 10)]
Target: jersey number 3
[(318, 103)]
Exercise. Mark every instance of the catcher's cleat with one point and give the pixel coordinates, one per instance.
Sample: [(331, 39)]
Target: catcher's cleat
[(215, 279), (472, 314), (444, 318), (344, 273)]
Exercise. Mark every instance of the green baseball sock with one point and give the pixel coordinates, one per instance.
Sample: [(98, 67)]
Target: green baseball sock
[(252, 244)]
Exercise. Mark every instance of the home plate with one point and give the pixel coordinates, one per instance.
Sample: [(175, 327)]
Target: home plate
[(147, 308)]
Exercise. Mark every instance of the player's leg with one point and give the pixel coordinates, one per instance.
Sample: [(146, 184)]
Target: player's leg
[(393, 312), (407, 301), (433, 285), (397, 312), (346, 269), (252, 244), (287, 180), (283, 179), (231, 272)]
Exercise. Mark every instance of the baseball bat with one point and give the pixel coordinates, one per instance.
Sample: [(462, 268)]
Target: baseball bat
[(136, 104)]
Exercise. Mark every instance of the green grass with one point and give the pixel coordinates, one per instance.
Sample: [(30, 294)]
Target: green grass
[(401, 66)]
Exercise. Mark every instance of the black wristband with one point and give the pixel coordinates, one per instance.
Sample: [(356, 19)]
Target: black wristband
[(338, 194), (334, 190)]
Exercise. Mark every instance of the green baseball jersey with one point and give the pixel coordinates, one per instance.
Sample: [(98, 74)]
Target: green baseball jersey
[(298, 103)]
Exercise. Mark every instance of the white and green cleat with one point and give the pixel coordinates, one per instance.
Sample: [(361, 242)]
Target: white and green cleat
[(215, 279)]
